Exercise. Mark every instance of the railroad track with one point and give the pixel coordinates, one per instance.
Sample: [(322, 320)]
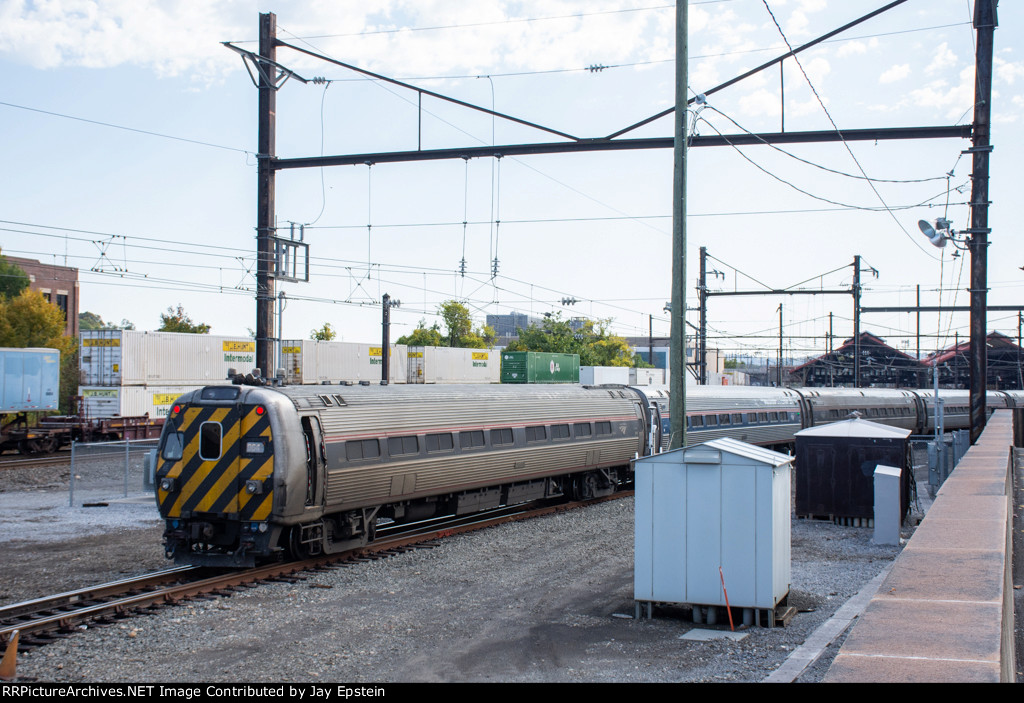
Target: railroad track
[(55, 459), (43, 620)]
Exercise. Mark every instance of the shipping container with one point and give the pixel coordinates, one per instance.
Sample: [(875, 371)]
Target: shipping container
[(307, 361), (453, 365), (115, 358), (648, 377), (602, 375), (130, 401), (31, 380), (539, 367)]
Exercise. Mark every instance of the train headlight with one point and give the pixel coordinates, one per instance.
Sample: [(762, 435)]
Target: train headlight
[(168, 485), (254, 487)]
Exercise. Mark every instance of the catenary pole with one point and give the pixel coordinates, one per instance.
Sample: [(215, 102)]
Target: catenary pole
[(677, 349)]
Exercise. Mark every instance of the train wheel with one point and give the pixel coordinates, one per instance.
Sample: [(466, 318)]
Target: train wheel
[(28, 447), (296, 548), (584, 487)]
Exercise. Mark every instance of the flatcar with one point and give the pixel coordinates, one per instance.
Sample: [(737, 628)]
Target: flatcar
[(249, 473)]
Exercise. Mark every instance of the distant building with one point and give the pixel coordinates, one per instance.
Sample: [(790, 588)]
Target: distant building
[(881, 366), (506, 327), (1004, 364), (58, 284)]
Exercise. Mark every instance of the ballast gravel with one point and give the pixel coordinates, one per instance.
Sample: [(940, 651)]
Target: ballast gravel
[(545, 600)]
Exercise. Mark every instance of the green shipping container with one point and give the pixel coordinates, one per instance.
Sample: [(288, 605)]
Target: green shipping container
[(539, 367)]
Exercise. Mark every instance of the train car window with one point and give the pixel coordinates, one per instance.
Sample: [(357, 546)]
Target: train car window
[(762, 417), (537, 433), (603, 428), (711, 420), (582, 429), (403, 445), (209, 441), (442, 442), (559, 432), (471, 439), (696, 420), (174, 446), (357, 449), (773, 417), (723, 419), (501, 436), (737, 418)]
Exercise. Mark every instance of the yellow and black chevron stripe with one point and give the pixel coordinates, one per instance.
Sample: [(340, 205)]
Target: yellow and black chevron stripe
[(217, 486)]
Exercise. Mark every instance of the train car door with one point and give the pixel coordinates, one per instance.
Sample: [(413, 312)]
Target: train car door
[(316, 459)]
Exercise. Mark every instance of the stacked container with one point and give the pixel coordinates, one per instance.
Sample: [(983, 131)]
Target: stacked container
[(132, 373), (308, 361), (453, 365)]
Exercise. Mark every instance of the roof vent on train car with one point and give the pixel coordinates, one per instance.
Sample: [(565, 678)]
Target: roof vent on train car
[(364, 383)]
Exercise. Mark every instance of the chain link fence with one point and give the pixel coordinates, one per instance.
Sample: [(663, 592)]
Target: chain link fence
[(102, 471)]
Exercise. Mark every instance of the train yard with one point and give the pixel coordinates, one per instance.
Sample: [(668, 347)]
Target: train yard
[(540, 600)]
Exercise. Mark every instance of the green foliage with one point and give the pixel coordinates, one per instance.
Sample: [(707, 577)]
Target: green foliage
[(459, 325), (28, 320), (179, 321), (423, 336), (324, 334), (593, 343), (12, 279), (91, 321), (639, 363)]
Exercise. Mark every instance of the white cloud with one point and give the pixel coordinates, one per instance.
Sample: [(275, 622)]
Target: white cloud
[(943, 59), (1007, 71), (952, 100), (852, 48), (896, 73)]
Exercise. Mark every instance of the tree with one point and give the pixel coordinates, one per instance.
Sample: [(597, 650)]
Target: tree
[(12, 279), (91, 321), (179, 321), (593, 343), (459, 324), (324, 334), (423, 336)]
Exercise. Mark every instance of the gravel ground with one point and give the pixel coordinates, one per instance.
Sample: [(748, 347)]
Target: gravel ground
[(548, 600)]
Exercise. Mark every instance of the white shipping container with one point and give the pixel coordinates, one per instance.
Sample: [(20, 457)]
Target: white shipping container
[(131, 401), (600, 375), (453, 365), (313, 362), (648, 377), (132, 358)]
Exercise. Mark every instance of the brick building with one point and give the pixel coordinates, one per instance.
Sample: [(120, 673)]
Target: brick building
[(58, 284)]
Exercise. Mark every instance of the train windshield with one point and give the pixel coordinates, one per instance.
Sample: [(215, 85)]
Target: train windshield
[(174, 446)]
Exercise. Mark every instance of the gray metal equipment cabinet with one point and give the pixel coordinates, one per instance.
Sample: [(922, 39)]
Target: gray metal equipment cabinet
[(723, 505)]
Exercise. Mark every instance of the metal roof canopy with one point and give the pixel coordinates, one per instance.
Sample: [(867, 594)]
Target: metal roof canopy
[(711, 453), (855, 427)]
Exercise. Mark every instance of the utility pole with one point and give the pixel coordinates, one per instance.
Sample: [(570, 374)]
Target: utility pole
[(650, 339), (780, 345), (385, 349), (1020, 371), (985, 25), (265, 229), (702, 294), (677, 352), (856, 321)]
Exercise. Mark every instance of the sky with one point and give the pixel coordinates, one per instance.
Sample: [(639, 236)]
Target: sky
[(128, 135)]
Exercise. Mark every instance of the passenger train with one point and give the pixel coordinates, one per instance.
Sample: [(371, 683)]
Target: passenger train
[(251, 473)]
